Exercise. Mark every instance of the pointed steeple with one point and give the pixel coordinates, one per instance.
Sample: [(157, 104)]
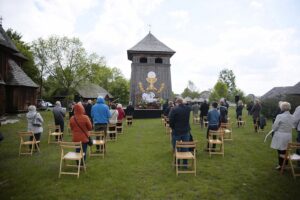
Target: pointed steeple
[(150, 44)]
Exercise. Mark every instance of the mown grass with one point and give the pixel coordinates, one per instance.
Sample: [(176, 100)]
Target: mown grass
[(138, 166)]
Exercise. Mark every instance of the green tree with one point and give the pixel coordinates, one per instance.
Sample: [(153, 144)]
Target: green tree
[(28, 66), (190, 91), (227, 76), (219, 91), (64, 60)]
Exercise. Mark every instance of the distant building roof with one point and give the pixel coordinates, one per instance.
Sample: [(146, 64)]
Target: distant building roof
[(150, 44), (295, 89), (18, 77), (275, 92), (92, 91)]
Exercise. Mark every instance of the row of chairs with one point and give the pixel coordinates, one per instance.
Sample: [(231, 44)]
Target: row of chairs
[(72, 151)]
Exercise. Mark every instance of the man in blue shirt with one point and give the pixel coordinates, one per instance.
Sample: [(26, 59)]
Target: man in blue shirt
[(213, 119)]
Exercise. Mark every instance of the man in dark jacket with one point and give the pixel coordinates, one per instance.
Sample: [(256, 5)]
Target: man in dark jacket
[(179, 119), (203, 111)]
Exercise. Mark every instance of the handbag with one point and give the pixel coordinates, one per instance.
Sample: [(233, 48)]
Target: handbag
[(36, 121), (90, 142)]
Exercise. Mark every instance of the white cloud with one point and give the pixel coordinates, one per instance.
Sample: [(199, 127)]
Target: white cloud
[(42, 18), (256, 4), (117, 30), (181, 18)]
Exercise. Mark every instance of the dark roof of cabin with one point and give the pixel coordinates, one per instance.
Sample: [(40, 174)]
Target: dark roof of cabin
[(18, 77), (92, 91), (275, 92), (6, 41), (295, 89), (279, 91), (150, 44)]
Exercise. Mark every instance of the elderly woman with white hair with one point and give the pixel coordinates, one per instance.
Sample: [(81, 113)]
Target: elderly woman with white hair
[(35, 121), (282, 128)]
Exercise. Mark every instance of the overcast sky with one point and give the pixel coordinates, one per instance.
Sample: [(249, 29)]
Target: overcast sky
[(258, 39)]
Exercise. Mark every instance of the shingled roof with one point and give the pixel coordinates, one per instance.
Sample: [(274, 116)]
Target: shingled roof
[(150, 44), (280, 91), (17, 76), (295, 89), (92, 91), (6, 41)]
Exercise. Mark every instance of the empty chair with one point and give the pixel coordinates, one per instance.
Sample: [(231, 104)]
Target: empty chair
[(227, 131), (119, 127), (98, 140), (55, 135), (292, 158), (185, 151), (112, 132), (240, 122), (27, 143), (196, 119), (69, 155), (129, 120), (215, 142)]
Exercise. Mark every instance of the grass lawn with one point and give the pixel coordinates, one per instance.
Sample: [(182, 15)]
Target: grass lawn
[(138, 166)]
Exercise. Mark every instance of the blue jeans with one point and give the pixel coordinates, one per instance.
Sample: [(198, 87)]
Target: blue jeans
[(84, 148), (184, 138)]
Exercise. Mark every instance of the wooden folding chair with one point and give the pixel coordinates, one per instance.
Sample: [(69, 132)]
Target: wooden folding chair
[(111, 132), (68, 153), (205, 121), (119, 127), (28, 144), (129, 119), (54, 131), (162, 119), (196, 119), (293, 158), (227, 131), (185, 151), (215, 138), (99, 141), (240, 122)]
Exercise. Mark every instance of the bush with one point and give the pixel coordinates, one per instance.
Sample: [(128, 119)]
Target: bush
[(270, 106)]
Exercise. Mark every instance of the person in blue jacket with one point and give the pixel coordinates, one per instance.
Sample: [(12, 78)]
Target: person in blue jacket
[(100, 114)]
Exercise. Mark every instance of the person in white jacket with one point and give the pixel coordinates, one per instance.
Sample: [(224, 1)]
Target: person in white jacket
[(296, 116), (114, 114), (282, 128), (32, 116)]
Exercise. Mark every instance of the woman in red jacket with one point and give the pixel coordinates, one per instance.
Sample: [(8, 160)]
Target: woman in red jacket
[(121, 112), (80, 126)]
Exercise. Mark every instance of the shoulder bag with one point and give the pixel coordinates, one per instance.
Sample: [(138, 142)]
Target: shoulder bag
[(90, 142)]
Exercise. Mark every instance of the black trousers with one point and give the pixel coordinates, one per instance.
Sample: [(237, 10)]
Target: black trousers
[(37, 138)]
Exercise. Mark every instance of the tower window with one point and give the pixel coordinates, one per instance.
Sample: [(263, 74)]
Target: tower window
[(143, 60), (158, 60)]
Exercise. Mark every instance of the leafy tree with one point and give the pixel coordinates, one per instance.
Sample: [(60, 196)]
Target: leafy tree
[(227, 76), (64, 59), (28, 66), (119, 88), (219, 91), (190, 91)]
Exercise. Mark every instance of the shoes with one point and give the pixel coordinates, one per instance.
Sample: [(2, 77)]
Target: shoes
[(278, 167)]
